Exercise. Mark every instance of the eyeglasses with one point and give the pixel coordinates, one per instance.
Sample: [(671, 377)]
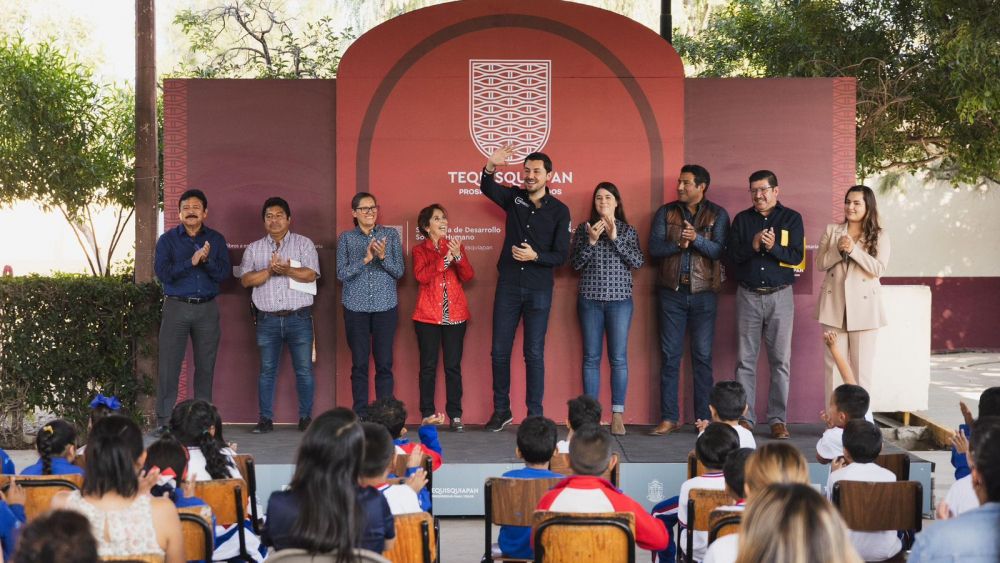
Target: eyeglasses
[(755, 191), (367, 210)]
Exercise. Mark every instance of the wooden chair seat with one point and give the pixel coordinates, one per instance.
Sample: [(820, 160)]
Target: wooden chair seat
[(562, 537), (416, 539), (723, 523), (898, 463), (509, 501), (560, 464), (695, 467), (199, 537), (39, 490), (247, 468), (228, 500), (878, 507), (701, 503)]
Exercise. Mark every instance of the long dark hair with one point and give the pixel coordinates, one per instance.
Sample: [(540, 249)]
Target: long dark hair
[(113, 449), (870, 226), (613, 190), (52, 440), (192, 422), (325, 483)]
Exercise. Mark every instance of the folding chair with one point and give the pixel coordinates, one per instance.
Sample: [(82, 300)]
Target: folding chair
[(879, 507), (562, 537), (560, 464), (723, 523), (416, 539), (399, 467), (701, 503), (897, 463), (199, 537), (228, 499), (245, 464), (695, 467), (39, 490), (509, 501)]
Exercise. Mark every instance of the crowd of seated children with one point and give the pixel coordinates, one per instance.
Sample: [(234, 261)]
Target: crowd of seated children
[(377, 463), (56, 445), (127, 521), (848, 402), (391, 413), (62, 536), (961, 496), (581, 410), (862, 445), (536, 443), (325, 508), (728, 402), (587, 492)]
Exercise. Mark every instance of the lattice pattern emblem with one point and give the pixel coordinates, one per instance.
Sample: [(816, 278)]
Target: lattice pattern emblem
[(509, 103)]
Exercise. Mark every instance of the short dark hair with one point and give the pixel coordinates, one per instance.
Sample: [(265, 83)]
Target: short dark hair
[(275, 202), (989, 402), (536, 439), (851, 400), (715, 443), (590, 450), (379, 450), (759, 175), (546, 161), (729, 399), (60, 535), (583, 410), (424, 218), (862, 440), (985, 448), (356, 201), (733, 470), (113, 448), (167, 453), (193, 193), (389, 412), (701, 175)]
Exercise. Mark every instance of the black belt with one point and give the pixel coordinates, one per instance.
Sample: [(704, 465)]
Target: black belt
[(286, 313), (685, 279), (763, 290), (191, 300)]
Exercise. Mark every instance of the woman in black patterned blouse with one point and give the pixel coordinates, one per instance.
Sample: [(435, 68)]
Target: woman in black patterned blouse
[(605, 251)]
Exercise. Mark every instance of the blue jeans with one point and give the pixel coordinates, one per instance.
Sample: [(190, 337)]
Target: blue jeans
[(296, 330), (598, 318), (510, 303), (370, 334), (680, 310)]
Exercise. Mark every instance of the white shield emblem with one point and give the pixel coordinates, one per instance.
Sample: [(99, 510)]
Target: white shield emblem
[(509, 105)]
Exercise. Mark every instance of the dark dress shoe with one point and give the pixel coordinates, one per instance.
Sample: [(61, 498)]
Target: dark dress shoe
[(779, 431), (263, 426), (664, 428), (304, 423)]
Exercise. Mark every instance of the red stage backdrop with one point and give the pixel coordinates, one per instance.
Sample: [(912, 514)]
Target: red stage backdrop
[(422, 99)]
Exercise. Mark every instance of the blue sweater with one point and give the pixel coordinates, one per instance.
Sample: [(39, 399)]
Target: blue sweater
[(515, 541), (60, 466)]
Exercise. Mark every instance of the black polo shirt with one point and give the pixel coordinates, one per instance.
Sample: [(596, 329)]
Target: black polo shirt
[(546, 228), (762, 269)]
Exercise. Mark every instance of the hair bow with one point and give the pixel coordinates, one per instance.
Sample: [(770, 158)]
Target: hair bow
[(111, 402)]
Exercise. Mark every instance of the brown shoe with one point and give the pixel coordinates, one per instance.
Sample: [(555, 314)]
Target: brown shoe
[(779, 431), (617, 424), (664, 428), (746, 424)]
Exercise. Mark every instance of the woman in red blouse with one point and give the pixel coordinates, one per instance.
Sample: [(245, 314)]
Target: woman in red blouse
[(440, 266)]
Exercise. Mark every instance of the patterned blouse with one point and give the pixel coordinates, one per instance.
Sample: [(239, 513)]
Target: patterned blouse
[(371, 287), (606, 266)]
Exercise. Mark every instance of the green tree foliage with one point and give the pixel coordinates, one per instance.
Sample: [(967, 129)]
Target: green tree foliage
[(928, 72), (252, 39), (65, 142)]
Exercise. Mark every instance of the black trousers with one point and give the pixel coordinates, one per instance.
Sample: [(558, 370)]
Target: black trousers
[(431, 340), (180, 321)]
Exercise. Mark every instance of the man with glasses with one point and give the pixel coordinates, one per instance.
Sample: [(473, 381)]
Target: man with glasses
[(688, 237), (369, 263), (766, 243), (282, 268)]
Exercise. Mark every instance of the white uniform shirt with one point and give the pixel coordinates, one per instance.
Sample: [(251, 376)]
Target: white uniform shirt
[(831, 444), (871, 546), (961, 497), (714, 481)]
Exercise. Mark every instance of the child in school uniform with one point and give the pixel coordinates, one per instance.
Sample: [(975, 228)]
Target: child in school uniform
[(848, 402), (536, 442), (100, 407), (728, 402), (582, 410), (391, 413), (588, 492), (712, 448), (56, 445), (6, 464), (961, 496), (12, 516), (862, 445), (376, 465)]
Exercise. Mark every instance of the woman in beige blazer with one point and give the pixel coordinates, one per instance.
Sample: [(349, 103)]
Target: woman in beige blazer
[(853, 256)]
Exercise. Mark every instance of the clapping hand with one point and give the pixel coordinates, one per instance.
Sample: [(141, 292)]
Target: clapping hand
[(845, 244), (279, 266), (378, 247), (838, 463), (701, 425), (767, 238), (416, 457), (594, 231), (417, 481), (610, 227), (826, 419), (15, 493), (455, 249), (201, 255)]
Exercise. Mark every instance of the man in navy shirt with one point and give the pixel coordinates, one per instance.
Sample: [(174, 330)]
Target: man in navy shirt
[(191, 260), (536, 240), (765, 243)]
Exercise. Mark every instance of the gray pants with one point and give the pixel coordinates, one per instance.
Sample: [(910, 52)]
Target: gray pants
[(771, 316), (181, 320)]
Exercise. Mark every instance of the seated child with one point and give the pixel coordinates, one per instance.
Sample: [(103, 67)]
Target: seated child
[(56, 445), (582, 410), (375, 467), (728, 402), (712, 448), (587, 492), (989, 405), (848, 402), (862, 445), (12, 516), (193, 423), (391, 413), (60, 535), (6, 464), (733, 474), (100, 407), (536, 442)]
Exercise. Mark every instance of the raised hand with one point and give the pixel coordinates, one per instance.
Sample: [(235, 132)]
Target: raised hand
[(960, 442), (148, 479), (826, 419), (15, 493), (594, 231), (416, 456), (966, 414), (417, 481), (500, 156), (434, 419), (830, 338)]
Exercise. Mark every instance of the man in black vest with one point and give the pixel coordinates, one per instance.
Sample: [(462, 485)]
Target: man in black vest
[(689, 237)]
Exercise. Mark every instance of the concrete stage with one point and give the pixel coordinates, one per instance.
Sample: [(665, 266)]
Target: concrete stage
[(652, 467)]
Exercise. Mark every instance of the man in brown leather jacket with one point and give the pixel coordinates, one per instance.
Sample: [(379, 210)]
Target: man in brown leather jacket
[(688, 237)]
